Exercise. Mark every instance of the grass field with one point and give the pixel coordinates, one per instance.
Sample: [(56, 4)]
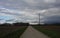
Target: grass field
[(12, 31), (51, 31)]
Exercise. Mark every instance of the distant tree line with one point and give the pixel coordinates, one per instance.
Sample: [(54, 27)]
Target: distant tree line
[(15, 24), (53, 24)]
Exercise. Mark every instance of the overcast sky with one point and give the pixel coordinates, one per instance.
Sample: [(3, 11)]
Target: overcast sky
[(28, 10)]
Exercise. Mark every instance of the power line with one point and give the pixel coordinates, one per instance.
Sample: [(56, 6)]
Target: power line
[(39, 19)]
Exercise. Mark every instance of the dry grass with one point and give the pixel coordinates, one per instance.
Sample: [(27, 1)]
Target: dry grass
[(5, 30)]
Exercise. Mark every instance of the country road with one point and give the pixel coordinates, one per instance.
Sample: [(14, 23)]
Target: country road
[(33, 33)]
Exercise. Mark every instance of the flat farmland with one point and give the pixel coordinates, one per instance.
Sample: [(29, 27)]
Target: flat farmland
[(11, 31), (51, 31), (54, 28)]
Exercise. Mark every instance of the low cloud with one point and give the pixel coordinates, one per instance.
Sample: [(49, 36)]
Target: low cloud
[(51, 15)]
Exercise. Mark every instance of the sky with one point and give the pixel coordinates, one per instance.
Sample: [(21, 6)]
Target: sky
[(28, 10)]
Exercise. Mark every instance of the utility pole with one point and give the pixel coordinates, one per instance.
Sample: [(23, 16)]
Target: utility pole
[(39, 18)]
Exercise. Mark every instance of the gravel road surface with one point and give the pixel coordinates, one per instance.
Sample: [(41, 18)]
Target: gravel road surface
[(33, 33)]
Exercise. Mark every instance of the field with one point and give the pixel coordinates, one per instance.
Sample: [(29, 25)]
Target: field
[(51, 31), (11, 31)]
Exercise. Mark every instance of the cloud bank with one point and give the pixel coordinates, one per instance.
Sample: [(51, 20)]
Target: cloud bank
[(28, 10)]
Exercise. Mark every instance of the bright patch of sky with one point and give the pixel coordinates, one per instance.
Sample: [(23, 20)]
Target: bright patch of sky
[(5, 17)]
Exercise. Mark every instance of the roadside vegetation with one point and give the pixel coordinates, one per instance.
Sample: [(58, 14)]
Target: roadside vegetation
[(12, 30), (51, 31)]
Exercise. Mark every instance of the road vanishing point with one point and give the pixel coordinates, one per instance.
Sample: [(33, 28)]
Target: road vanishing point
[(30, 32)]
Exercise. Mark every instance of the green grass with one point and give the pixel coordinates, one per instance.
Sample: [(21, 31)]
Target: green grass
[(15, 34), (50, 33)]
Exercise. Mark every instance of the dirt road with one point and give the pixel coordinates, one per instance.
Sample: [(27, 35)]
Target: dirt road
[(33, 33)]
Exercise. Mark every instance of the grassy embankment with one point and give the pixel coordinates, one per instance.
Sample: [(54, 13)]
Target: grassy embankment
[(12, 32), (51, 31)]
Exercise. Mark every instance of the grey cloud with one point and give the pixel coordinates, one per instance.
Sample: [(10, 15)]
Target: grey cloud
[(51, 15), (22, 4), (31, 8), (5, 11), (19, 16), (52, 19)]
